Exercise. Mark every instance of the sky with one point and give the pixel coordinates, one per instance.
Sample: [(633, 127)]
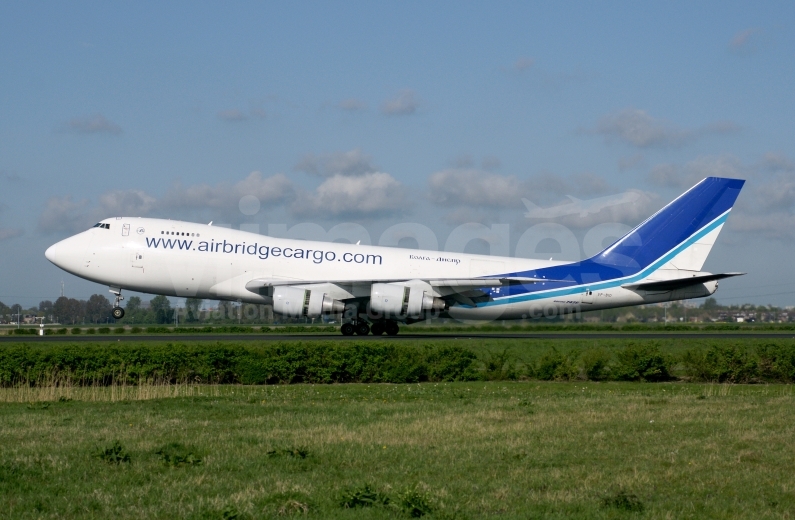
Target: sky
[(397, 123)]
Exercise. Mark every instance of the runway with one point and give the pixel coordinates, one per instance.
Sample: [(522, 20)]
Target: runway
[(130, 338)]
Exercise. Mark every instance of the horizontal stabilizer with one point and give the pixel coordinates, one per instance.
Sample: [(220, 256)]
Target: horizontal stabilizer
[(678, 283)]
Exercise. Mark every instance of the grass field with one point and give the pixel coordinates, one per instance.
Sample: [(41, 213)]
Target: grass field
[(450, 450)]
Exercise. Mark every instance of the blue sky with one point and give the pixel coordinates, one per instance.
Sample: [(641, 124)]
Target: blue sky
[(378, 113)]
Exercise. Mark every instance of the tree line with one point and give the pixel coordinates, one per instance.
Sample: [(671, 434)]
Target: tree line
[(96, 310)]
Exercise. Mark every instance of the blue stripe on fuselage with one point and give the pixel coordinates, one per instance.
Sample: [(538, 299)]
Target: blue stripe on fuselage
[(587, 273)]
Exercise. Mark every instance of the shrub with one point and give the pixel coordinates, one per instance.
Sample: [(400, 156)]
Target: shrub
[(623, 501), (365, 496), (555, 366), (61, 331), (135, 330), (776, 362), (115, 454), (415, 503), (641, 363), (234, 329), (157, 330), (176, 455), (76, 330), (299, 452), (594, 363), (103, 330), (91, 330), (118, 330), (721, 364), (499, 367), (450, 363)]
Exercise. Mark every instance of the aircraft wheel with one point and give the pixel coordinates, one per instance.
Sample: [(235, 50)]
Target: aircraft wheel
[(391, 328), (117, 312), (378, 328), (362, 328), (347, 329)]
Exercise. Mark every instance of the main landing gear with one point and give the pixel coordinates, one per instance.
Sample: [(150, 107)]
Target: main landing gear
[(378, 328), (117, 312)]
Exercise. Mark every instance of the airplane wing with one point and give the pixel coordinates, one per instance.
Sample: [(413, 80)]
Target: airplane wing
[(678, 283), (457, 283)]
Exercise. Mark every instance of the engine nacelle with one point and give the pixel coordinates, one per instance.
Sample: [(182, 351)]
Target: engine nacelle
[(298, 303), (398, 301)]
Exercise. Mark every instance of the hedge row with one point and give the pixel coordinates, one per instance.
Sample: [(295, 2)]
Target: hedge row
[(224, 329), (490, 327), (772, 362), (384, 362), (540, 326), (228, 364)]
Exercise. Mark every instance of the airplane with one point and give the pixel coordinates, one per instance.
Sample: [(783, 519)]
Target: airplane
[(376, 289), (578, 206)]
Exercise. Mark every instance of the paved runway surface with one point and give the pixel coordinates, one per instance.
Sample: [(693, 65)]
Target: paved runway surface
[(409, 336)]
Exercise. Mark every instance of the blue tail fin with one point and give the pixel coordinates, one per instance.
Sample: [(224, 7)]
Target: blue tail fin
[(702, 208)]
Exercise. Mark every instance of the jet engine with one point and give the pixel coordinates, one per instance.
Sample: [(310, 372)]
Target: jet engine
[(394, 300), (298, 303)]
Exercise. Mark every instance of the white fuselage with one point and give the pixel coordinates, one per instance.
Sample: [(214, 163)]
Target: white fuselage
[(202, 261)]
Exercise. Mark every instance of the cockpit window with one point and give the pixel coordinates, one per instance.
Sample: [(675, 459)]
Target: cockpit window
[(101, 225)]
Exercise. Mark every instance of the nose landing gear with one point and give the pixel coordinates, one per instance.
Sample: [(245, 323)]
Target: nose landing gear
[(117, 312)]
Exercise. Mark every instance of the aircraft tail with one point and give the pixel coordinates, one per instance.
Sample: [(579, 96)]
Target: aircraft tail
[(680, 235)]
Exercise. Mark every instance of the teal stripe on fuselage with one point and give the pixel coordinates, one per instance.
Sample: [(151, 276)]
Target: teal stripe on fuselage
[(616, 282)]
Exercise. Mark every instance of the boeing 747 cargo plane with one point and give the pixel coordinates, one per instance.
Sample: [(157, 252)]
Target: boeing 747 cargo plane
[(377, 288)]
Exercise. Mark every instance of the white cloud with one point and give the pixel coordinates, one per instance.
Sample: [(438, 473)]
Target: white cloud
[(6, 233), (774, 161), (369, 195), (259, 113), (637, 128), (628, 163), (231, 115), (743, 41), (475, 188), (405, 103), (125, 203), (472, 194), (352, 105), (779, 225), (225, 197), (96, 124), (766, 206), (671, 175), (632, 212), (490, 163), (353, 162), (523, 64), (65, 215)]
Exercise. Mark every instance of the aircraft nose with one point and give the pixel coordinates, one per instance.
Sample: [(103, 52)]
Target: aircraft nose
[(52, 253)]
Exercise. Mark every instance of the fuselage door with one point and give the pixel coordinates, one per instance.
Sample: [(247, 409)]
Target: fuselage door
[(125, 230), (137, 260), (587, 296)]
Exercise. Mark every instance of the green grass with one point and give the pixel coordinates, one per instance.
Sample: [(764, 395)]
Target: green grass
[(452, 450)]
